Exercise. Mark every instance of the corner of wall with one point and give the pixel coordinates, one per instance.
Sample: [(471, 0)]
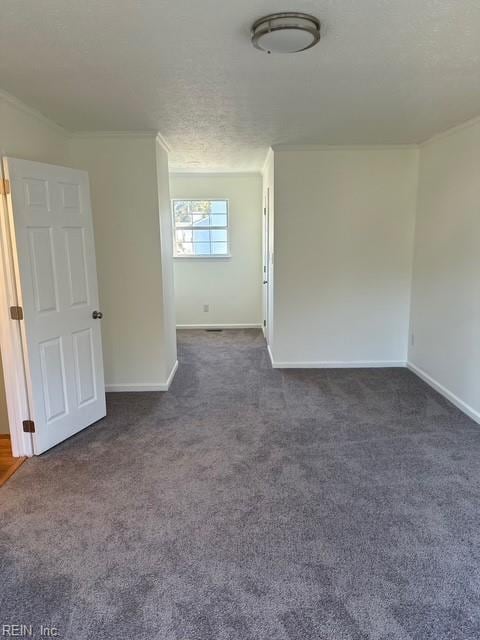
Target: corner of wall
[(166, 247), (28, 134), (412, 260)]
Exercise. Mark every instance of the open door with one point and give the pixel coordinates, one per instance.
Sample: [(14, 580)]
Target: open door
[(55, 270), (266, 263)]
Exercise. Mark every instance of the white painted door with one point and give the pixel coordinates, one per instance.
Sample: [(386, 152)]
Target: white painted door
[(266, 270), (54, 254)]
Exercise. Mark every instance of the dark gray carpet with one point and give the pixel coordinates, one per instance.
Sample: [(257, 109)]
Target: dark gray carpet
[(248, 504)]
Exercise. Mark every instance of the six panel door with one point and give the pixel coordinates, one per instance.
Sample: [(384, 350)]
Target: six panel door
[(54, 252)]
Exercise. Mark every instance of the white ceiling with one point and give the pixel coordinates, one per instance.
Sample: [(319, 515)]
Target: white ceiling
[(385, 72)]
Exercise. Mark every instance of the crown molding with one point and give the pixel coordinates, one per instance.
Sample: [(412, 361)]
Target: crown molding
[(163, 143), (448, 132), (21, 106), (114, 134), (341, 147), (38, 115), (267, 158)]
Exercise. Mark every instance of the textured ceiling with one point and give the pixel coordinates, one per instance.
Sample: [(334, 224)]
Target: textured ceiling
[(386, 71)]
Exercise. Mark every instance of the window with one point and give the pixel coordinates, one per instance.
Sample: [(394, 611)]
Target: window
[(200, 228)]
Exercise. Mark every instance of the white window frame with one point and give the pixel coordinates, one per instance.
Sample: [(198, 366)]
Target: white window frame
[(182, 256)]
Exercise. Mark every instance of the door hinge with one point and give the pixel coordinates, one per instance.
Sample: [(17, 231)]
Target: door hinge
[(29, 426), (4, 187), (264, 323), (16, 313)]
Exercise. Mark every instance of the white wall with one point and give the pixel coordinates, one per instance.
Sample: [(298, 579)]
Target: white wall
[(129, 185), (445, 312), (26, 134), (344, 223), (124, 181), (231, 287)]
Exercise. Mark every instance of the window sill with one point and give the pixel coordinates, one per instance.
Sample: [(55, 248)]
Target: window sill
[(229, 257)]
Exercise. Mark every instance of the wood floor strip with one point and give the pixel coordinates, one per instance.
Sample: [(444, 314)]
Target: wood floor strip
[(8, 464)]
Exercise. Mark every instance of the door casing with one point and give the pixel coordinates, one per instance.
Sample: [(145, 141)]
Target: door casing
[(11, 342)]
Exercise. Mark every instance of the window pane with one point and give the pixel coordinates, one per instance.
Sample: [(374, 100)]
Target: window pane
[(219, 206), (201, 235), (185, 249), (201, 206), (202, 248), (186, 221), (201, 220), (181, 206), (183, 235), (182, 216), (218, 235), (219, 248), (219, 220)]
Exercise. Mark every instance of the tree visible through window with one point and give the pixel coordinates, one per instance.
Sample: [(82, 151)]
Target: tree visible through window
[(200, 228)]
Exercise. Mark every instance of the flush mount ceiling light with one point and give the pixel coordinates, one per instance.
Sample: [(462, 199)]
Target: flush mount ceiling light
[(287, 32)]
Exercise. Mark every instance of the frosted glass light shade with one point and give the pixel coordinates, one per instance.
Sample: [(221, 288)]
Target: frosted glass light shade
[(285, 32)]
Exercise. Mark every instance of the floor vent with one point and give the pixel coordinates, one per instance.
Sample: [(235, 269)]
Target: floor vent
[(214, 330)]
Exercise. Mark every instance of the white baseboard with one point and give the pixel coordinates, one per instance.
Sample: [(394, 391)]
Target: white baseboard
[(270, 354), (337, 364), (454, 399), (144, 386), (172, 374), (180, 327), (136, 386)]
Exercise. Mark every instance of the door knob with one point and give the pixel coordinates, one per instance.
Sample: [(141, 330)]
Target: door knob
[(97, 315)]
